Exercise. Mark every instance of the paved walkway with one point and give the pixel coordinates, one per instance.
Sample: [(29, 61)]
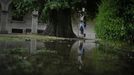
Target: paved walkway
[(90, 32)]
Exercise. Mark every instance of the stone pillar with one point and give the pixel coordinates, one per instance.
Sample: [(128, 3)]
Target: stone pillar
[(4, 15), (24, 31), (4, 22), (34, 22)]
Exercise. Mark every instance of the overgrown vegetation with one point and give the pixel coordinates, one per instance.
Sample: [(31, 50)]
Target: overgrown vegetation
[(115, 20)]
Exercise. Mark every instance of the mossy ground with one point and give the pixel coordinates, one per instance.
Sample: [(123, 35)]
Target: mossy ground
[(19, 37)]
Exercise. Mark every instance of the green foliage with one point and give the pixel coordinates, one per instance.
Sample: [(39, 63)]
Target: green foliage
[(58, 5), (21, 7), (114, 20), (54, 5)]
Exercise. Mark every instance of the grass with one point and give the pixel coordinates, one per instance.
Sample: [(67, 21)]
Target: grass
[(19, 37)]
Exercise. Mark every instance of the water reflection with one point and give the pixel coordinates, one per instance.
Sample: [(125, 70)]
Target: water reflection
[(33, 46), (81, 53), (113, 60), (64, 57)]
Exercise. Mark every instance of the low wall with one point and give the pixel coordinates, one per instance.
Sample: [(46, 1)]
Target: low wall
[(23, 26)]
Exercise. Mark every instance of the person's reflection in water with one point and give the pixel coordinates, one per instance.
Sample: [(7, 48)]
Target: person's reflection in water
[(80, 53)]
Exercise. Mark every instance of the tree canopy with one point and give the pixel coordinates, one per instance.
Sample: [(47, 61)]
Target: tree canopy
[(21, 7)]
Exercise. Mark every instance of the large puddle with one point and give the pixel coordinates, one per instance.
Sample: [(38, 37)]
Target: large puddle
[(64, 57)]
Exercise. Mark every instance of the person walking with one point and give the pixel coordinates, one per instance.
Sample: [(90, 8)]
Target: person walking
[(82, 28), (82, 25)]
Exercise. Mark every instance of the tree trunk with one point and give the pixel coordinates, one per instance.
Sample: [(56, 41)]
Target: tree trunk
[(59, 24)]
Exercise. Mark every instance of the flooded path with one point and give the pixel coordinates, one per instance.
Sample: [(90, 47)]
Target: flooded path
[(64, 57)]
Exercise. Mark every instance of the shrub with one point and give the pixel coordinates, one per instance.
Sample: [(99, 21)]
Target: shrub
[(115, 20)]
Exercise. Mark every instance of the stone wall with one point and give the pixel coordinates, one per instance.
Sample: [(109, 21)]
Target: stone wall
[(23, 25), (7, 24), (26, 24)]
